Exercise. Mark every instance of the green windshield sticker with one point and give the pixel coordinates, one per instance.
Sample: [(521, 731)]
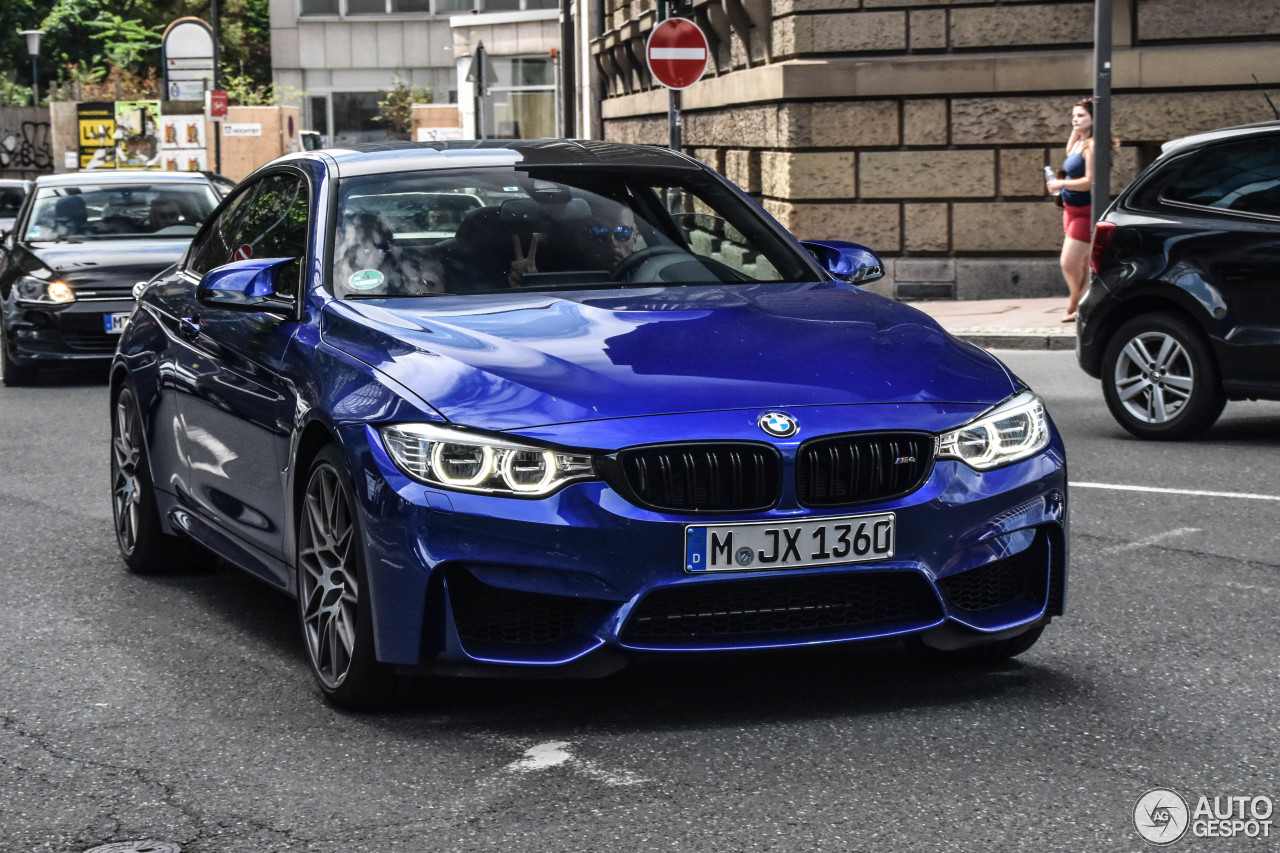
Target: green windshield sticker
[(365, 279)]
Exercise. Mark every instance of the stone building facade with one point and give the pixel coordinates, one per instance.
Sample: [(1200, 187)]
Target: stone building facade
[(921, 127)]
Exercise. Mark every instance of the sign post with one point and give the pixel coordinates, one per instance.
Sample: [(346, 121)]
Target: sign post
[(677, 56)]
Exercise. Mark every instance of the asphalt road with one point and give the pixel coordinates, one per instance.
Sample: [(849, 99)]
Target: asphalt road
[(180, 709)]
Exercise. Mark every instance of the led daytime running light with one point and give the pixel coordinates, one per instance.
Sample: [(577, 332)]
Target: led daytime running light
[(1013, 431), (459, 459)]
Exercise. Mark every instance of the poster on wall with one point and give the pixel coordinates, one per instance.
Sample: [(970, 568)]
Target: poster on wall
[(185, 160), (183, 131), (96, 121), (137, 134)]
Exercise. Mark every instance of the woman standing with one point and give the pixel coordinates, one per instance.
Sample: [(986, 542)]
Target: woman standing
[(1076, 204)]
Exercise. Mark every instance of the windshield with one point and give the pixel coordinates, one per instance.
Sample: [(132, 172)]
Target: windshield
[(104, 211), (492, 229)]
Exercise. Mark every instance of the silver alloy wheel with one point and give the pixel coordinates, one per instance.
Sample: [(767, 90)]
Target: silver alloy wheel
[(1154, 377), (327, 576), (126, 452)]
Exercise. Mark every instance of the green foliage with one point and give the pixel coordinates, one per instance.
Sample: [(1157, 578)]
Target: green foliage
[(13, 94), (395, 107), (244, 91), (124, 42)]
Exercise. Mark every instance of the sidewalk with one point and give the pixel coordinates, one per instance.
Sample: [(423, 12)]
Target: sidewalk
[(1006, 323)]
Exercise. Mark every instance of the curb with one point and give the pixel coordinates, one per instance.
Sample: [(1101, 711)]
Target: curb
[(1028, 339)]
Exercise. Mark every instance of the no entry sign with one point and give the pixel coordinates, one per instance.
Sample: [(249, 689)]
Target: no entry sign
[(677, 53)]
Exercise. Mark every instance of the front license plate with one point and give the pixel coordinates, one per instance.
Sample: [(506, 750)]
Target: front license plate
[(768, 545), (114, 323)]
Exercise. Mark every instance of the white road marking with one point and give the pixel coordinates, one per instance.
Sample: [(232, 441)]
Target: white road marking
[(1155, 539), (542, 756), (556, 753), (1192, 492)]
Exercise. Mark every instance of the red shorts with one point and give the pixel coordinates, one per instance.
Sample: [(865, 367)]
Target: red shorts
[(1075, 222)]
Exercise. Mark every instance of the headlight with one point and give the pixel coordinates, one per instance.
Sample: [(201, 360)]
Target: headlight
[(458, 459), (31, 289), (1014, 430)]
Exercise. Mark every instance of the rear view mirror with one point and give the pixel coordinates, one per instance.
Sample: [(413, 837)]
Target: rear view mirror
[(846, 261), (246, 286)]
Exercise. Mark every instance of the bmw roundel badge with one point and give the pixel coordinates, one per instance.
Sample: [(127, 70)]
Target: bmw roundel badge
[(778, 424)]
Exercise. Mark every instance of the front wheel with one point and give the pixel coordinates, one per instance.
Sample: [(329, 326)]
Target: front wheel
[(1160, 379), (11, 374), (333, 596)]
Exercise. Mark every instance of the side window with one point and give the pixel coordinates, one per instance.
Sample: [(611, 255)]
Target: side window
[(216, 245), (1239, 176), (712, 237), (276, 226)]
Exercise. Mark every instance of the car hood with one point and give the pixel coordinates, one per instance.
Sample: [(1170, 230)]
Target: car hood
[(526, 359), (107, 264)]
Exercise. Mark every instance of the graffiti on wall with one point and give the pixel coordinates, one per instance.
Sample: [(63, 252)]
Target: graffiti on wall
[(28, 146)]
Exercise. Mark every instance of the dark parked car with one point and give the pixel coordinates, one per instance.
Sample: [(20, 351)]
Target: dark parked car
[(1183, 312), (80, 244), (540, 407), (12, 193)]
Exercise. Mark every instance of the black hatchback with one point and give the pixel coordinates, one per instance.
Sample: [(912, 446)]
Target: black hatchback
[(80, 243), (1183, 310)]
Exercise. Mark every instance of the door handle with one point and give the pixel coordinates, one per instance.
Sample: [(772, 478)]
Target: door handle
[(189, 328)]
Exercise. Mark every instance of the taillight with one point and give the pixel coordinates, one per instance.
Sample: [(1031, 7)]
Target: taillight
[(1102, 234)]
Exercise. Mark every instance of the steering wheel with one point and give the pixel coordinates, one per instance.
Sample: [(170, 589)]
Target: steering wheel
[(628, 266)]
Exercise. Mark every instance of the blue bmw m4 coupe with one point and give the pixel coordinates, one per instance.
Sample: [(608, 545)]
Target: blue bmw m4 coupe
[(544, 406)]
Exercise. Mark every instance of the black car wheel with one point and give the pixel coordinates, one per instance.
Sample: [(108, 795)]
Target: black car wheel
[(1160, 379), (333, 601), (13, 375), (144, 545)]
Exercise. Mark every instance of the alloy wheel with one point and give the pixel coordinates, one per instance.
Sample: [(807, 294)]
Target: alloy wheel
[(126, 453), (329, 587), (1154, 377)]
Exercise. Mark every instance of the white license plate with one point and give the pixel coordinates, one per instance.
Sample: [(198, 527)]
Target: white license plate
[(767, 545), (115, 323)]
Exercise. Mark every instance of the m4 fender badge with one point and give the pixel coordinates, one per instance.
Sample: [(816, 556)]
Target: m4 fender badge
[(778, 424)]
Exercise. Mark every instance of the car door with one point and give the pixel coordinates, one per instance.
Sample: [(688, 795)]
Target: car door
[(237, 409), (1228, 213)]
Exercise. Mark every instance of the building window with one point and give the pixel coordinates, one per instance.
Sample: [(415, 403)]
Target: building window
[(524, 97), (318, 7), (354, 115)]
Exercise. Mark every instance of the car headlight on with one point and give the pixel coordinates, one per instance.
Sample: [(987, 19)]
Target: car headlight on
[(1014, 430), (32, 289), (460, 459)]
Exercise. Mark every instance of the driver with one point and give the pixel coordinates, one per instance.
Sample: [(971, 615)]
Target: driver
[(608, 238), (164, 212), (600, 242)]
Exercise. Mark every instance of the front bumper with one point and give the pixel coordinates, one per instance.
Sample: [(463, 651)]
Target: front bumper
[(74, 332), (461, 581)]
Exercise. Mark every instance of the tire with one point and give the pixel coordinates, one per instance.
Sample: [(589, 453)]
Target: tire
[(13, 375), (987, 653), (143, 544), (1160, 379), (333, 606)]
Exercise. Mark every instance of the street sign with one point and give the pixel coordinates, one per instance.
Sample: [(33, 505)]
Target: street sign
[(188, 50), (677, 53), (186, 90), (215, 104)]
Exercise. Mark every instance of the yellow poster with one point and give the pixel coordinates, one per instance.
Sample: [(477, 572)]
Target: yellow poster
[(97, 126)]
